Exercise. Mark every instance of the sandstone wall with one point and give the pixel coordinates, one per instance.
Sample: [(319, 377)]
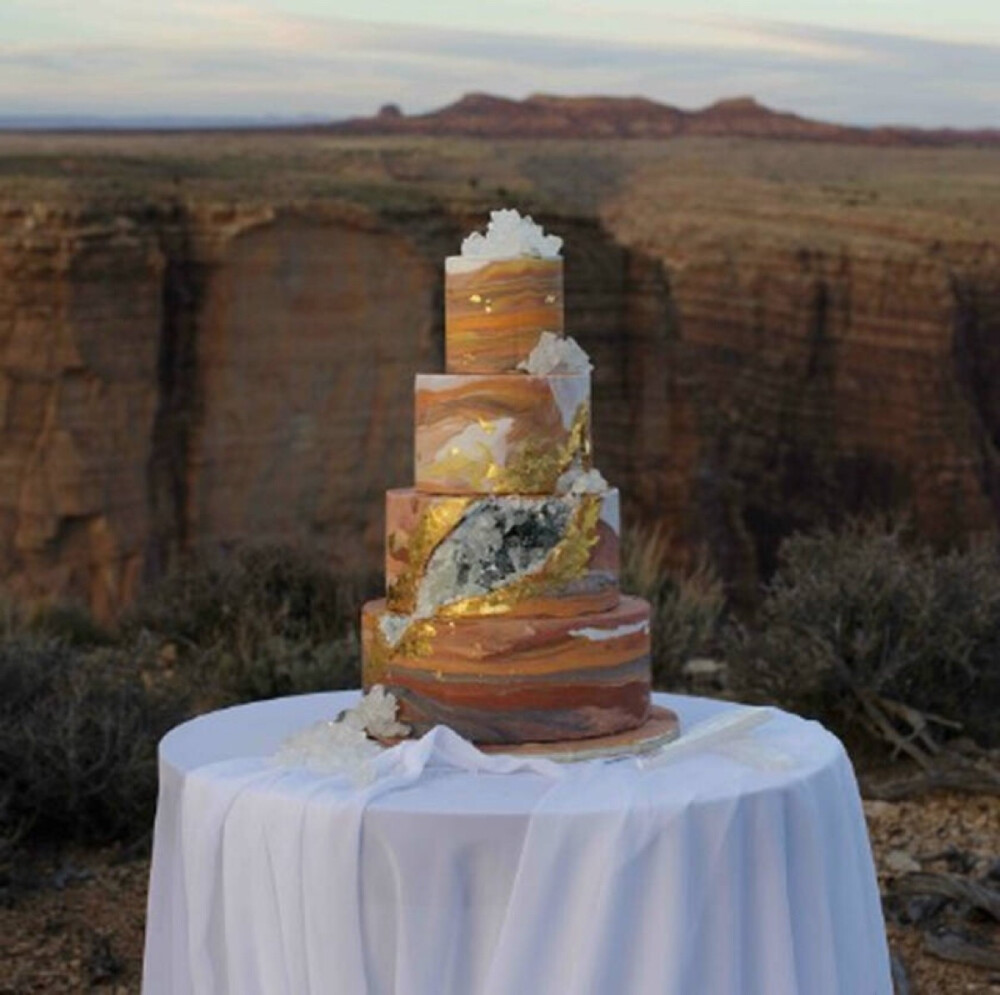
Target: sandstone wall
[(819, 367), (79, 332), (183, 377)]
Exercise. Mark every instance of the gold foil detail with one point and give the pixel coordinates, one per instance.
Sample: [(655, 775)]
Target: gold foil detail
[(414, 643), (534, 469), (537, 468), (435, 523), (523, 297), (567, 561)]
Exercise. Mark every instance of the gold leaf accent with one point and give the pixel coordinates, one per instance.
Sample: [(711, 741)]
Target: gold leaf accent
[(472, 469), (537, 467), (436, 522), (534, 468), (414, 643)]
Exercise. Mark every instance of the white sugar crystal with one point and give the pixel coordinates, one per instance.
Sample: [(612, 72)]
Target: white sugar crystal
[(393, 627), (331, 748), (576, 480), (375, 714), (508, 235), (344, 745), (601, 635), (467, 563), (556, 354)]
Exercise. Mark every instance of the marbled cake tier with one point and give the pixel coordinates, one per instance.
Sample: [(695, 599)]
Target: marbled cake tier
[(448, 555), (503, 679), (495, 310), (499, 433)]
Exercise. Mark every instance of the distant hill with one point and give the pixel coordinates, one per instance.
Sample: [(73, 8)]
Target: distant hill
[(485, 116)]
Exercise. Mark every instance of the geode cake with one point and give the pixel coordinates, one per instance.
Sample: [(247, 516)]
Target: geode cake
[(502, 616)]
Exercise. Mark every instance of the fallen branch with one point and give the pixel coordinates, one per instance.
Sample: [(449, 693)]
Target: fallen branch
[(877, 717), (954, 947), (938, 777), (958, 889)]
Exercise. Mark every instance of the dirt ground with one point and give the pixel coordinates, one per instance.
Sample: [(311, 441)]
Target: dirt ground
[(76, 921)]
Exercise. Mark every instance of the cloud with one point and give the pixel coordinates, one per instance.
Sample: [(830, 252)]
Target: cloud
[(239, 58)]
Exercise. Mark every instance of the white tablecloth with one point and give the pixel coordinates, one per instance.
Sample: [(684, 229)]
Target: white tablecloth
[(711, 875)]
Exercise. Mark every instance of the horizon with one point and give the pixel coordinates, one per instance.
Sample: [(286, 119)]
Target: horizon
[(260, 61), (182, 122)]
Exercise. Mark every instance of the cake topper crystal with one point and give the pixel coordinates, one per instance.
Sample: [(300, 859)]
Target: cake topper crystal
[(508, 234)]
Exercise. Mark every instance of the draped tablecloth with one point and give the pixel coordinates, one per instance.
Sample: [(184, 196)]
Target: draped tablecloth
[(743, 872)]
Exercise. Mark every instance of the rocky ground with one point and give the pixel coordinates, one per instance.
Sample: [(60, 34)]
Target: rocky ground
[(75, 921), (953, 835)]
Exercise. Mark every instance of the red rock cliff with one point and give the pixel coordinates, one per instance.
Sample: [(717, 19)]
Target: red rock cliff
[(177, 376)]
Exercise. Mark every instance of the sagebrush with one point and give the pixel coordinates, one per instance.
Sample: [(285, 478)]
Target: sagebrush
[(261, 622), (82, 709), (868, 612), (78, 735)]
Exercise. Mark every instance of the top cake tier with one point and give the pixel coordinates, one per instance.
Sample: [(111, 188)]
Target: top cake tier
[(496, 310)]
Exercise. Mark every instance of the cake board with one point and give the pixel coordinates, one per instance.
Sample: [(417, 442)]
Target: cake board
[(660, 728)]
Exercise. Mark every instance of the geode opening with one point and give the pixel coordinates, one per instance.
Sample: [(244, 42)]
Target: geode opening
[(496, 543)]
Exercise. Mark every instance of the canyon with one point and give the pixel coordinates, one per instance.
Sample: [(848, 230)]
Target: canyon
[(210, 340)]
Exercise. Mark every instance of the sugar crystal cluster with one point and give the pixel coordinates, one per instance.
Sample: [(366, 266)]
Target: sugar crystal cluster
[(555, 354), (508, 235), (346, 745)]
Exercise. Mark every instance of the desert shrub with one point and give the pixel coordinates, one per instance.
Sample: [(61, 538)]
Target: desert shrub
[(65, 621), (278, 666), (82, 710), (68, 622), (688, 605), (78, 735), (233, 597), (260, 622), (863, 616)]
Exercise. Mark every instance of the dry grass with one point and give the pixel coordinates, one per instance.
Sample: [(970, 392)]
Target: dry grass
[(689, 606), (869, 192)]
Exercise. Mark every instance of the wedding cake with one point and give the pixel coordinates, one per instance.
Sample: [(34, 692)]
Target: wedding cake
[(502, 616)]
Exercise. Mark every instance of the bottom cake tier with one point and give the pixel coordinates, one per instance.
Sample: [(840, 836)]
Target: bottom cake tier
[(502, 679)]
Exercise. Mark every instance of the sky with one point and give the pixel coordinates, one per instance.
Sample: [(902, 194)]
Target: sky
[(915, 62)]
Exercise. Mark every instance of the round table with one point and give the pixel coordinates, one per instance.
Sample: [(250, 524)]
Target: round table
[(742, 872)]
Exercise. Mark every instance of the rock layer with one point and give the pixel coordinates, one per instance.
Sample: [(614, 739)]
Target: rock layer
[(185, 380), (179, 375)]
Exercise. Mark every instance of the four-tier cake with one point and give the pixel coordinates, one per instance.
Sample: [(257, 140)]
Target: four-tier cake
[(502, 617)]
